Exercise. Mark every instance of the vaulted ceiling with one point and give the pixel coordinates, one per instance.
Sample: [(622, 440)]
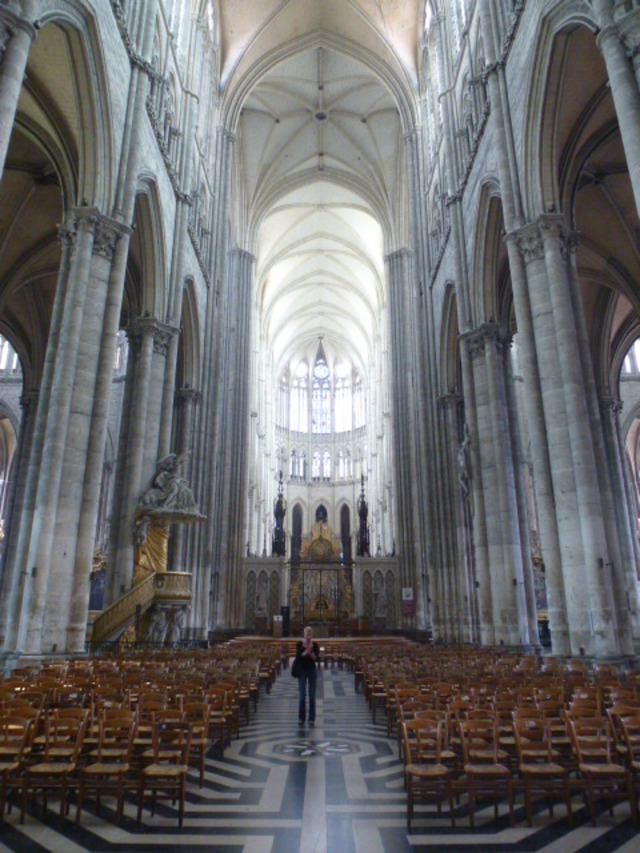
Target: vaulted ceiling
[(321, 91)]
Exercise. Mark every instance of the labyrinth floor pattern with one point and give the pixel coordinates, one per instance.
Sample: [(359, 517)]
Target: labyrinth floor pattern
[(336, 788)]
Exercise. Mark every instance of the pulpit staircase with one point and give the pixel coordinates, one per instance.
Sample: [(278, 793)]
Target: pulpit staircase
[(157, 587)]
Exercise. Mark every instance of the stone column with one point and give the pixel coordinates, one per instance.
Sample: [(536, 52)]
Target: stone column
[(626, 573), (187, 399), (16, 38), (457, 515), (624, 89), (206, 461), (482, 483), (99, 399), (403, 390), (141, 337), (628, 24), (163, 334), (525, 252), (80, 471), (614, 524), (518, 437), (16, 503), (112, 584), (15, 574), (232, 482), (432, 553), (41, 551), (603, 639), (521, 248)]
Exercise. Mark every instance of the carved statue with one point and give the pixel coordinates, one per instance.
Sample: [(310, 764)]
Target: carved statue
[(170, 489), (157, 627), (278, 545), (381, 605), (175, 628), (363, 531)]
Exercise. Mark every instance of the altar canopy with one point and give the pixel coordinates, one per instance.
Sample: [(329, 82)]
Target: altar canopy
[(321, 584)]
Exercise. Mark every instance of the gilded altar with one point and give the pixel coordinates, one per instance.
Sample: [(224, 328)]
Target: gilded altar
[(321, 585)]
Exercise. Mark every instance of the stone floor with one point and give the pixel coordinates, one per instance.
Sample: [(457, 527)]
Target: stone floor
[(336, 788)]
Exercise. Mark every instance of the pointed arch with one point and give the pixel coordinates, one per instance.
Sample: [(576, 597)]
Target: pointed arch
[(147, 250)]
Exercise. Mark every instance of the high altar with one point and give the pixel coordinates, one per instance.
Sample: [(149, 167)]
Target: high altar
[(321, 585)]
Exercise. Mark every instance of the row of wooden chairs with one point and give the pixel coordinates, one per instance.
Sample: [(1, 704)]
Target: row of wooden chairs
[(496, 725), (127, 726), (434, 770), (109, 768)]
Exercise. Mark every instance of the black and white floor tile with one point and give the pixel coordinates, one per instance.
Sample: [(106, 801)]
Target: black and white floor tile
[(335, 788)]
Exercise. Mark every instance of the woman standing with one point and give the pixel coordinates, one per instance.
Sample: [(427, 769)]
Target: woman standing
[(308, 655)]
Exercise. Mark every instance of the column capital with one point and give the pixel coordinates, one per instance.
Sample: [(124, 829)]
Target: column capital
[(11, 21), (529, 242), (29, 398), (148, 326), (477, 339), (449, 401), (188, 396), (628, 24), (610, 404), (89, 220), (553, 227)]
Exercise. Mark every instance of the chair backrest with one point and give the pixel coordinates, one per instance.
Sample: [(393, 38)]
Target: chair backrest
[(168, 715), (479, 741), (15, 733), (616, 714), (116, 733), (172, 742), (591, 739), (63, 731), (532, 739), (196, 713), (631, 734), (423, 739)]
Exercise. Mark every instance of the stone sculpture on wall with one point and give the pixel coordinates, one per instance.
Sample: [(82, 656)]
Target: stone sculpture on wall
[(170, 489)]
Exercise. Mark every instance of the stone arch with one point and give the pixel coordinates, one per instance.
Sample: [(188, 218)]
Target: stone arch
[(540, 189), (489, 301), (188, 375), (450, 376), (96, 168), (147, 251)]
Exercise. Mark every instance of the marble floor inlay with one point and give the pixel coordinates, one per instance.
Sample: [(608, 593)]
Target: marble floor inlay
[(335, 788)]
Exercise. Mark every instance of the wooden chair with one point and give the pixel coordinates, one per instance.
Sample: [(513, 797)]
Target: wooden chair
[(537, 766), (616, 715), (605, 778), (107, 773), (426, 776), (14, 744), (486, 775), (631, 734), (197, 713), (165, 777), (62, 744)]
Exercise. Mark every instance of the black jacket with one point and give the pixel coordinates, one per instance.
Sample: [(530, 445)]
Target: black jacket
[(305, 660)]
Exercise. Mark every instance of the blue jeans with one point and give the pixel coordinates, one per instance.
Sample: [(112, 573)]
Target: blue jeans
[(307, 675)]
